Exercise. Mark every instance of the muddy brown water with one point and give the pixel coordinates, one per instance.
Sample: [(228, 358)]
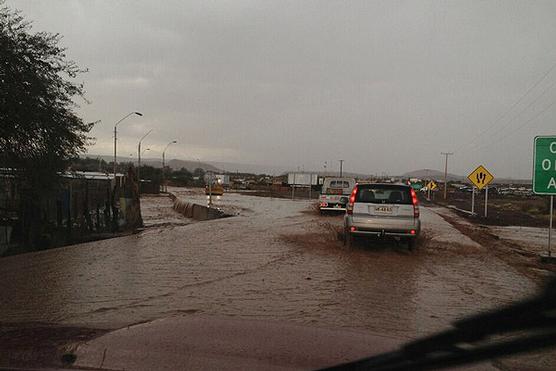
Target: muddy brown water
[(273, 261)]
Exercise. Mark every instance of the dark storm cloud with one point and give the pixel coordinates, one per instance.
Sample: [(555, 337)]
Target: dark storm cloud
[(384, 85)]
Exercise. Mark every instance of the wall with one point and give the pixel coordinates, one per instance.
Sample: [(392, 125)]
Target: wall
[(195, 211)]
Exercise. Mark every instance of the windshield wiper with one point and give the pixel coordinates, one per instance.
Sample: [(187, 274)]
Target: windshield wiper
[(522, 327)]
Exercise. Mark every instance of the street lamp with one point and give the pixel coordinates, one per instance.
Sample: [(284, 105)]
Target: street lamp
[(139, 160), (116, 136), (164, 164)]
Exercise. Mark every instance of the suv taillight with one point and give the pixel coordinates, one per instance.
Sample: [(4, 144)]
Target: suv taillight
[(349, 208), (415, 203)]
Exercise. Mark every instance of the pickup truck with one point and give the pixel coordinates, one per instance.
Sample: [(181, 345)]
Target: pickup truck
[(335, 193)]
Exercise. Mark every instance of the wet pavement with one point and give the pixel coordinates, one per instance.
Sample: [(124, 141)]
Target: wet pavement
[(277, 260)]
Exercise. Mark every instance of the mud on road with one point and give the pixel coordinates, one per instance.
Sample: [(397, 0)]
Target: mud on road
[(274, 261), (518, 247)]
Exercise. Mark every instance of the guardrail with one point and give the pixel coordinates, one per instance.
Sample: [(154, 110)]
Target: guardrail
[(195, 211)]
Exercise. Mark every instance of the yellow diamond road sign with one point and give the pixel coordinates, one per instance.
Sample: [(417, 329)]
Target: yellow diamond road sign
[(480, 177), (432, 185)]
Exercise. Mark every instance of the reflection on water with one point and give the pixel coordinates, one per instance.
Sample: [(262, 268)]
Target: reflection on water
[(243, 266), (214, 200)]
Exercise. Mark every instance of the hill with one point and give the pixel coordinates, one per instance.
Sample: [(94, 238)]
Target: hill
[(175, 164), (439, 176), (432, 174), (154, 162), (233, 167)]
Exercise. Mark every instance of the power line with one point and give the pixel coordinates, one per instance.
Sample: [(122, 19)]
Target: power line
[(492, 124), (521, 126), (524, 109), (446, 171)]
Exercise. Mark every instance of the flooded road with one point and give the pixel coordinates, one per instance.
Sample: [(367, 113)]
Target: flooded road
[(276, 259), (157, 211)]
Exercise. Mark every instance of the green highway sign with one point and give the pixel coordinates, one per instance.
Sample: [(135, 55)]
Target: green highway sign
[(544, 165)]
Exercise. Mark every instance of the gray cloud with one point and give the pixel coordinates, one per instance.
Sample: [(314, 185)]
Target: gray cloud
[(384, 85)]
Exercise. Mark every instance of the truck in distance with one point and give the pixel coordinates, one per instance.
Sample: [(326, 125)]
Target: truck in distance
[(335, 193)]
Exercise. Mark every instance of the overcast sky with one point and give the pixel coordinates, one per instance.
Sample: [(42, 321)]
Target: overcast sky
[(384, 85)]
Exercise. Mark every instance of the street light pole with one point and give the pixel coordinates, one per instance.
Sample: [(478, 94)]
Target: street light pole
[(341, 167), (164, 164), (116, 137), (446, 172), (139, 161)]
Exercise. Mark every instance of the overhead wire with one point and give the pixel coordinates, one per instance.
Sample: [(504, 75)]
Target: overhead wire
[(520, 126), (518, 114), (499, 118)]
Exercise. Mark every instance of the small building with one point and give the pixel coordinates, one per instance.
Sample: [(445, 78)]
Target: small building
[(302, 179)]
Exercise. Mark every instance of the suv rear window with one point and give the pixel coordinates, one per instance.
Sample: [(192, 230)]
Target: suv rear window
[(339, 184), (384, 194)]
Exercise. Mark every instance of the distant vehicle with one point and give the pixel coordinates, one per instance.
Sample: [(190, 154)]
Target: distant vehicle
[(382, 210), (465, 188), (216, 189), (223, 179), (335, 193)]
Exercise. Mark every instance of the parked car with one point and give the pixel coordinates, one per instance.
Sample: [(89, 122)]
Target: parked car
[(382, 210), (335, 193)]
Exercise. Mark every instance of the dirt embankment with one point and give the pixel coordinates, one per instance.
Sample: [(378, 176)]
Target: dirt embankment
[(516, 255), (503, 210)]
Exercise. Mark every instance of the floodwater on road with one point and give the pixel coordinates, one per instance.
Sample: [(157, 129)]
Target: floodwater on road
[(276, 260), (157, 211)]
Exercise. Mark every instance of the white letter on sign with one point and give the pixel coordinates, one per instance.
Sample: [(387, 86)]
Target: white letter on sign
[(553, 147), (545, 164), (552, 183)]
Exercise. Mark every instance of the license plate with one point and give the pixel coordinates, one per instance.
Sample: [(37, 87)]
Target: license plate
[(335, 191), (383, 209)]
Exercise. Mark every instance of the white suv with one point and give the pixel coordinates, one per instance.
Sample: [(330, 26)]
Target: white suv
[(382, 210)]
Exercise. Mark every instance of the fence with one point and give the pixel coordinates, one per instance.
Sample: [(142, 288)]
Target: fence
[(85, 206)]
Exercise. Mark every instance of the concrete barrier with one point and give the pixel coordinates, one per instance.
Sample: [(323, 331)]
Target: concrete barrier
[(195, 211)]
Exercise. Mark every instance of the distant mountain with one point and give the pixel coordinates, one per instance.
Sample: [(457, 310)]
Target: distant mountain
[(233, 167), (175, 164), (512, 181), (439, 176), (154, 162), (432, 174)]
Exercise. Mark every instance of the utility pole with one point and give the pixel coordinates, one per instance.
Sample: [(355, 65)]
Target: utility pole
[(341, 167), (446, 172), (210, 187)]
